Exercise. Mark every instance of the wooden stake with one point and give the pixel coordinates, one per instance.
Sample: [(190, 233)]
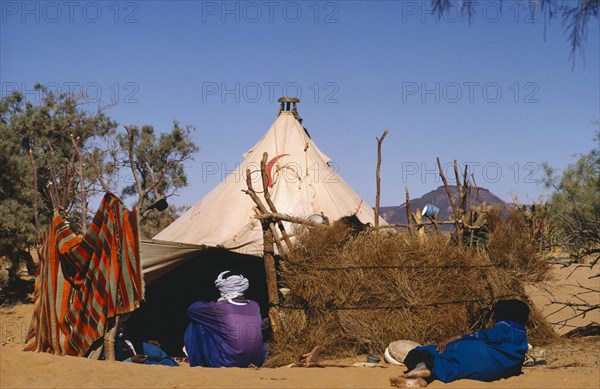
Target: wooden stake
[(458, 185), (109, 341), (452, 202), (271, 276), (250, 192), (418, 219), (378, 177), (466, 190), (415, 225), (268, 259), (409, 215), (436, 223), (287, 218), (267, 195)]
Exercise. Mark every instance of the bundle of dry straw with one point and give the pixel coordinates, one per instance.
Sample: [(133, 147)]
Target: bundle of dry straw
[(355, 295)]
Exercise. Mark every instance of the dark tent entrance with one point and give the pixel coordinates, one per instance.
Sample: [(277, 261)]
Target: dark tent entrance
[(163, 315)]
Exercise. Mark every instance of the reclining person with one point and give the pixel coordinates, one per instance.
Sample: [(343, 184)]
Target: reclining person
[(487, 355), (226, 332), (130, 348)]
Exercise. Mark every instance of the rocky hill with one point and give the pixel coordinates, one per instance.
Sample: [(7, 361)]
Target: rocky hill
[(439, 198)]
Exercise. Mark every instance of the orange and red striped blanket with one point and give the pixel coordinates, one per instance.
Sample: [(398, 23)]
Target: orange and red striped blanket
[(83, 282)]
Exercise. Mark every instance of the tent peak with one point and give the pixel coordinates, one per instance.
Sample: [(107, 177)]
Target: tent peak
[(286, 102), (289, 104)]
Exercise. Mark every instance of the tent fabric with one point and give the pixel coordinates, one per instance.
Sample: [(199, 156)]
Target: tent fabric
[(82, 282), (159, 257), (302, 183)]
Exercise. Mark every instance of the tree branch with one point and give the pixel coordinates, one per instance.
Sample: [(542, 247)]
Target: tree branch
[(36, 217), (83, 194), (138, 183)]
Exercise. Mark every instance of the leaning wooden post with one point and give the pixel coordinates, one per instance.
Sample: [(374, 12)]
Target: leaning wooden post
[(466, 189), (458, 186), (378, 177), (268, 260), (420, 225), (409, 215), (271, 275), (452, 203), (267, 195), (435, 223), (262, 210), (288, 218), (109, 341)]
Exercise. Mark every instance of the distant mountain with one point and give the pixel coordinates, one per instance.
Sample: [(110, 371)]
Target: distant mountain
[(439, 198)]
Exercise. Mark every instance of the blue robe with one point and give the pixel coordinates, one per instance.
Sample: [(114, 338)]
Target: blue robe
[(156, 356), (487, 355), (224, 334)]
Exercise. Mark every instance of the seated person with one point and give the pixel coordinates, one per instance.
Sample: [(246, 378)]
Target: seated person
[(226, 332), (487, 355), (130, 349)]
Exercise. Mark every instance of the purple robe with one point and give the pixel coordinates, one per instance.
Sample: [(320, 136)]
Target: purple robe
[(224, 334)]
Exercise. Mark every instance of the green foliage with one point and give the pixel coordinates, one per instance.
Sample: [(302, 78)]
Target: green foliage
[(42, 148), (15, 185), (157, 165), (47, 141), (57, 154), (154, 221), (575, 203), (578, 186)]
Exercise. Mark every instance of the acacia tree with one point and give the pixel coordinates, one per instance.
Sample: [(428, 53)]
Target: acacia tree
[(575, 206), (575, 203), (43, 152), (157, 167), (17, 230), (57, 155)]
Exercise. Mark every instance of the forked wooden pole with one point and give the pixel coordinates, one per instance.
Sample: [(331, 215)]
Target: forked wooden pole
[(268, 259), (265, 182), (378, 176)]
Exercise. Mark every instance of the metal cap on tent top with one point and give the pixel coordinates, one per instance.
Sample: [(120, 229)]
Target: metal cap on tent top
[(287, 103)]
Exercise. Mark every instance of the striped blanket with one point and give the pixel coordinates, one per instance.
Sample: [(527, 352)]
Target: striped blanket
[(83, 282)]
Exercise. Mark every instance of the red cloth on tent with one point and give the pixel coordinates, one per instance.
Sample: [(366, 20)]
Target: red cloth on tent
[(82, 282)]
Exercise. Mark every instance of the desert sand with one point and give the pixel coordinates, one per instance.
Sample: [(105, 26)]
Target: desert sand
[(571, 363)]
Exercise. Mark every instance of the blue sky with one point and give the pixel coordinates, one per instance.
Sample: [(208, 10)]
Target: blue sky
[(499, 93)]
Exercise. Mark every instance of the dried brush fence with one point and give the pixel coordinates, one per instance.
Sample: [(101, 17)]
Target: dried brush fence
[(354, 295)]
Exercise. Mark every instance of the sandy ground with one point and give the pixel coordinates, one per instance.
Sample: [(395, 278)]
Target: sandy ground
[(572, 363)]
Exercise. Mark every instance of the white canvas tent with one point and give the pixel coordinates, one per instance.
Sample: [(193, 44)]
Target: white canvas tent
[(302, 182), (220, 232)]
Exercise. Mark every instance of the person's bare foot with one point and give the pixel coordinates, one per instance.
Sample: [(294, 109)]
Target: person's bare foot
[(311, 359), (420, 371), (402, 382)]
